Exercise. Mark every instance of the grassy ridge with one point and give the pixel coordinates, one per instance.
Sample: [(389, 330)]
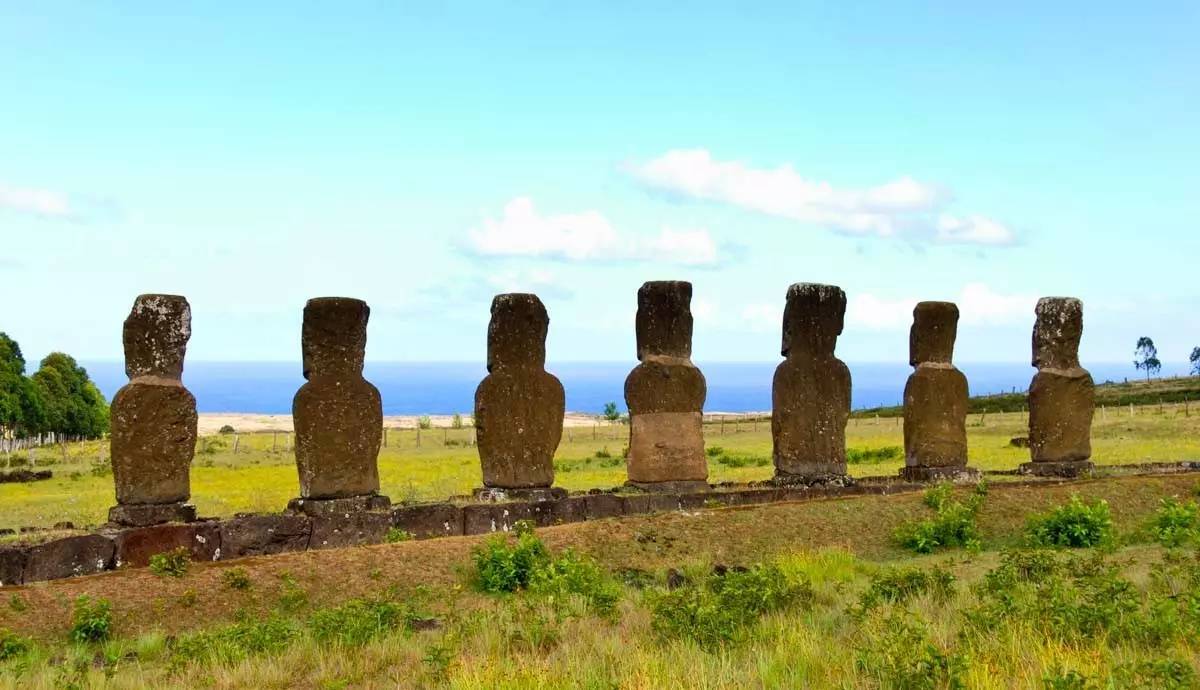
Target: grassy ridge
[(1108, 394), (836, 603)]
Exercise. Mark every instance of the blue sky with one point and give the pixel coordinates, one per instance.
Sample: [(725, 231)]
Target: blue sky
[(424, 157)]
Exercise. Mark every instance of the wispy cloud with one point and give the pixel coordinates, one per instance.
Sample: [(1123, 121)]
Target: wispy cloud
[(978, 305), (522, 230), (900, 206), (39, 202)]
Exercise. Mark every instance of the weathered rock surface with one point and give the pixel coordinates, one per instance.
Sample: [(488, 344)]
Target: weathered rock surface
[(68, 557), (429, 519), (665, 393), (134, 547), (338, 414), (259, 535), (153, 416), (935, 398), (519, 406), (1062, 394), (811, 390)]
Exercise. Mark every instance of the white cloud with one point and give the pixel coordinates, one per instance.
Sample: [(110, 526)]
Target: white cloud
[(588, 235), (899, 206), (763, 318), (41, 202), (972, 230), (978, 305)]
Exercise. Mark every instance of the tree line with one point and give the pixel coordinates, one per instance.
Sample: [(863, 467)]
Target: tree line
[(1146, 358), (58, 398)]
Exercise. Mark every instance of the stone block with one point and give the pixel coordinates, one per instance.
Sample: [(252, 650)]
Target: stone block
[(260, 535)]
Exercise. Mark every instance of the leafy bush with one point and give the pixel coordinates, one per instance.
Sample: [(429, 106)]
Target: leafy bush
[(603, 453), (292, 596), (236, 578), (873, 456), (1176, 523), (359, 621), (232, 643), (743, 460), (226, 429), (952, 525), (173, 563), (456, 422), (720, 608), (424, 422), (92, 620), (896, 651), (571, 573), (1075, 524), (395, 535), (503, 566), (714, 451), (12, 644), (1160, 674), (901, 585)]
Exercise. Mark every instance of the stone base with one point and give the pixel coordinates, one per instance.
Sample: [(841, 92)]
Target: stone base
[(1069, 468), (147, 514), (958, 475), (685, 486), (326, 507), (785, 479), (493, 494)]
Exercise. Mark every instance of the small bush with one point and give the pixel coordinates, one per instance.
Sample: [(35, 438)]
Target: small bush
[(1176, 523), (571, 573), (226, 429), (92, 620), (456, 422), (12, 644), (503, 566), (424, 422), (232, 643), (896, 650), (395, 535), (358, 621), (173, 563), (720, 608), (1160, 674), (1075, 524), (236, 578), (873, 456), (603, 453), (953, 524), (292, 596), (17, 603), (901, 585), (743, 461), (714, 451)]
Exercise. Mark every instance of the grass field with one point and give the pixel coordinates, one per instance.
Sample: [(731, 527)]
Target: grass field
[(259, 479), (846, 607)]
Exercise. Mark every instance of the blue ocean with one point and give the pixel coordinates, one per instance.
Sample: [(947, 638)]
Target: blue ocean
[(448, 387)]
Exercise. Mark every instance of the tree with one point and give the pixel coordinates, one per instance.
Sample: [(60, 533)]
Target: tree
[(21, 407), (1147, 357), (611, 413), (73, 404), (1195, 360)]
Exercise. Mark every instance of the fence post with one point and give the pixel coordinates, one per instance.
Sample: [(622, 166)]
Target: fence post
[(418, 434), (236, 440)]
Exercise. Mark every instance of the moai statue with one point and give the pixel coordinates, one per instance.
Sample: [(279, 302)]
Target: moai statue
[(519, 406), (154, 416), (935, 399), (338, 414), (1062, 397), (811, 392), (665, 394)]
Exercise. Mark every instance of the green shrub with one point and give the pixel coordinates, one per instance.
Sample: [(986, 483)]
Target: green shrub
[(720, 608), (456, 422), (570, 573), (226, 429), (603, 453), (424, 422), (173, 563), (92, 620), (1075, 524), (1159, 674), (952, 525), (743, 461), (232, 643), (1067, 679), (17, 603), (714, 451), (12, 644), (292, 596), (873, 456), (1176, 523), (504, 565), (236, 578), (359, 621), (395, 535), (901, 585), (896, 651)]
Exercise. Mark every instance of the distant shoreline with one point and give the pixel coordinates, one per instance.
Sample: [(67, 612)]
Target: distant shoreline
[(250, 422)]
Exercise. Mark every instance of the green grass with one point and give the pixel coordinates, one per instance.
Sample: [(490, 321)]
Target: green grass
[(796, 615), (259, 479)]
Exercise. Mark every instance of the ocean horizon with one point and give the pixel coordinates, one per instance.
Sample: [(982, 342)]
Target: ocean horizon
[(411, 388)]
